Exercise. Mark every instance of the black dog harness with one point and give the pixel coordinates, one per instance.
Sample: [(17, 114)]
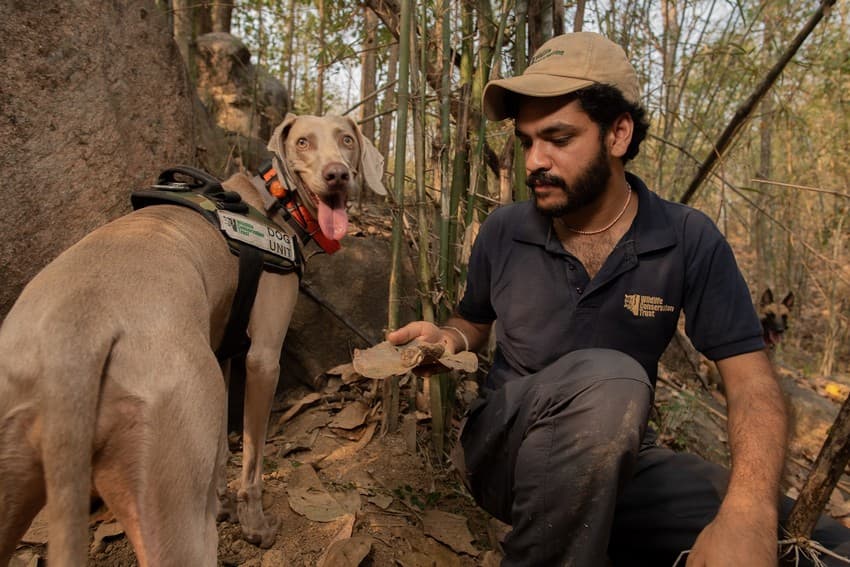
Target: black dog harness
[(259, 243)]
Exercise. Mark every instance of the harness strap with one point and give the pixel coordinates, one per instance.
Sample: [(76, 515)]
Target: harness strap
[(235, 340)]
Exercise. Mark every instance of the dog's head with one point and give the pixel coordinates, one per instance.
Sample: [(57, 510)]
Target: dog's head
[(774, 316), (328, 158)]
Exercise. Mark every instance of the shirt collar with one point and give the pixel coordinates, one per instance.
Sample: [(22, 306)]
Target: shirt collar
[(651, 230)]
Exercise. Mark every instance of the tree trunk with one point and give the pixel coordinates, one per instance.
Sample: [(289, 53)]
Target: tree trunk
[(540, 23), (368, 73), (320, 79), (222, 12), (669, 47), (387, 104), (290, 56), (764, 242), (202, 18), (183, 15), (558, 18)]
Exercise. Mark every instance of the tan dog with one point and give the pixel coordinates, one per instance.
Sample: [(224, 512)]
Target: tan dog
[(108, 373), (774, 316)]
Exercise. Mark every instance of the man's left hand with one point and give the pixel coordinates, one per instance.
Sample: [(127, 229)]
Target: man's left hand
[(734, 539)]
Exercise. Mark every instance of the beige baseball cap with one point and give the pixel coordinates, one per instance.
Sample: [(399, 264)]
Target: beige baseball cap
[(564, 64)]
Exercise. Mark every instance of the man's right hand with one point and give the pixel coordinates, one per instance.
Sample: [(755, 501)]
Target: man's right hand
[(422, 330), (457, 334)]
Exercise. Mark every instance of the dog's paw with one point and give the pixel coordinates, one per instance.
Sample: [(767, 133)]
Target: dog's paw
[(226, 510), (257, 528)]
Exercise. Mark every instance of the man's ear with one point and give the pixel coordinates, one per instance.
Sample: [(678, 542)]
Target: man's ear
[(620, 135), (277, 143), (371, 164)]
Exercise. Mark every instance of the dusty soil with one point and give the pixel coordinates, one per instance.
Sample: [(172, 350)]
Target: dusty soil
[(393, 503), (388, 488)]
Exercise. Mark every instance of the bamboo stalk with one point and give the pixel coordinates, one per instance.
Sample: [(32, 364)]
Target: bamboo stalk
[(391, 387)]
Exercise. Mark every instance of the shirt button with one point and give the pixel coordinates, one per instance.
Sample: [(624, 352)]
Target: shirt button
[(579, 290), (572, 267)]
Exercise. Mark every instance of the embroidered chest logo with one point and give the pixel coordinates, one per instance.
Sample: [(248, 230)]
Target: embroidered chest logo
[(645, 305)]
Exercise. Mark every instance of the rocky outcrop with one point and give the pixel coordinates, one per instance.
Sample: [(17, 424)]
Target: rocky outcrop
[(95, 102), (243, 99)]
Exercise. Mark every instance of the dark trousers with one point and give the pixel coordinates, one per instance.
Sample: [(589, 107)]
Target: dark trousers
[(561, 456)]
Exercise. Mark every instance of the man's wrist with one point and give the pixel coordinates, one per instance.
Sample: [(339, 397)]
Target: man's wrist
[(459, 333)]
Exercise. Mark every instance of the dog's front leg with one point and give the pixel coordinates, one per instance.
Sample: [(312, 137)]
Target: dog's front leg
[(270, 318)]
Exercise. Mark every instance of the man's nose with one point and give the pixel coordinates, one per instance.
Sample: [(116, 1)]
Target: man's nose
[(537, 158)]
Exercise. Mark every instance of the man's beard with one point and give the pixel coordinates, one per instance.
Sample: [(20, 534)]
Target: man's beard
[(589, 186)]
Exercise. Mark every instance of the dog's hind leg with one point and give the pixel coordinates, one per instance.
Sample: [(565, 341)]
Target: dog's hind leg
[(157, 467), (270, 318), (21, 480), (226, 510)]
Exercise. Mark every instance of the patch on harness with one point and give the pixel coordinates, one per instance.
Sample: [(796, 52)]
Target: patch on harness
[(241, 224), (259, 235)]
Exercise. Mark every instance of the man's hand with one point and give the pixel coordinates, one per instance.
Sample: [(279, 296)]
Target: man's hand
[(422, 330), (737, 538), (457, 334)]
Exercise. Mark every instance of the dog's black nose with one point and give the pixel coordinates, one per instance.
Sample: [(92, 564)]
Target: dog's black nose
[(335, 174)]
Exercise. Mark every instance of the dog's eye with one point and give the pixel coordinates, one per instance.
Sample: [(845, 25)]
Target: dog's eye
[(302, 143), (348, 141)]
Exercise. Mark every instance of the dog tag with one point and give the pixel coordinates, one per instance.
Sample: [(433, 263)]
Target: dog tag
[(262, 236)]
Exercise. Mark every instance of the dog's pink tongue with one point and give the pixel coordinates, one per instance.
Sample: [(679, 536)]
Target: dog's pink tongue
[(333, 222)]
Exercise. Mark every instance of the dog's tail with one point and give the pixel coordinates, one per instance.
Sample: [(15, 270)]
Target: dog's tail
[(73, 374)]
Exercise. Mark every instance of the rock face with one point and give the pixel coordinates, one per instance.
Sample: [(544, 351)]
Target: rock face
[(244, 100), (95, 102), (355, 281)]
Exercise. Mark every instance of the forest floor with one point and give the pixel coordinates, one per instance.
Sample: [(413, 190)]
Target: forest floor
[(348, 495)]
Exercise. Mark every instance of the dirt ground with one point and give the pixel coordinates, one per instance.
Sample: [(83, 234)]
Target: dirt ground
[(348, 494), (330, 474)]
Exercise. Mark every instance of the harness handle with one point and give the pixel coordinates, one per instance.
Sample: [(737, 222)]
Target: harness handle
[(201, 181)]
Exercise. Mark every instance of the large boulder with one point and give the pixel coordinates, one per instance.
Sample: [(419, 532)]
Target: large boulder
[(245, 100), (354, 282), (95, 102)]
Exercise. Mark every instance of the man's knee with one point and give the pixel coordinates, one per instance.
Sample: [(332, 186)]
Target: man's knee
[(593, 364), (604, 393)]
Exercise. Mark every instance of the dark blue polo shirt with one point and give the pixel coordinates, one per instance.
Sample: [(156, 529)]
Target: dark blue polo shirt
[(672, 258)]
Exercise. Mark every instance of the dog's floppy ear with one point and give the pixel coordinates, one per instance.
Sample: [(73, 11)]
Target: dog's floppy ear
[(371, 164), (278, 139)]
